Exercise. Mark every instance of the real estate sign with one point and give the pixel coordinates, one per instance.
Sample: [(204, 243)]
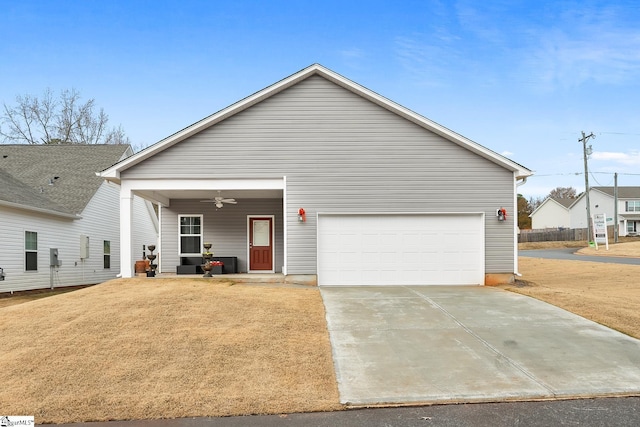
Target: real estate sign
[(600, 229)]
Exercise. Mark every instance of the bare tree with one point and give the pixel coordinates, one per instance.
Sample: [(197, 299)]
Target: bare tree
[(534, 202), (63, 120), (563, 193)]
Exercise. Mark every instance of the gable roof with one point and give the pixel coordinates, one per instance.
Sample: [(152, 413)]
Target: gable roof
[(113, 173), (57, 179), (563, 202), (623, 192)]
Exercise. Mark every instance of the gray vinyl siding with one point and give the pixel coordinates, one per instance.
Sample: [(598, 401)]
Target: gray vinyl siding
[(225, 229), (343, 153), (99, 220)]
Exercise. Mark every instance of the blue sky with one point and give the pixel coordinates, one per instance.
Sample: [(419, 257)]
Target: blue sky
[(522, 78)]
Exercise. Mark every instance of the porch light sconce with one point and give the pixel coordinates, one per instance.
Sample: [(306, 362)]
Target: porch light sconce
[(302, 216), (501, 214)]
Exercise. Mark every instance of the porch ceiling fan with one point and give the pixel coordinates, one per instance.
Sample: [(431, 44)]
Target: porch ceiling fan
[(220, 201)]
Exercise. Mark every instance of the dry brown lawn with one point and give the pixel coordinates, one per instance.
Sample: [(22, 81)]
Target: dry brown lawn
[(630, 249), (168, 348), (551, 245), (165, 348), (605, 293), (7, 299)]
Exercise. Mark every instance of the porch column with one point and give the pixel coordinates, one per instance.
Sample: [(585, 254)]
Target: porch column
[(126, 218)]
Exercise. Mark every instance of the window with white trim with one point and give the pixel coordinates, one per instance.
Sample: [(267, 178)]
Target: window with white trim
[(632, 206), (190, 234), (30, 251)]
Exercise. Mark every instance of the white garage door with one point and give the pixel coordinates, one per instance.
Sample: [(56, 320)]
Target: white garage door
[(407, 249)]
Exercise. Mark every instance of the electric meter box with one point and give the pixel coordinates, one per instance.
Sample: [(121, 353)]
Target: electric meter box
[(54, 261), (84, 246)]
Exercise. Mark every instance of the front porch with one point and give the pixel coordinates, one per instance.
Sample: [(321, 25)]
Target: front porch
[(188, 219)]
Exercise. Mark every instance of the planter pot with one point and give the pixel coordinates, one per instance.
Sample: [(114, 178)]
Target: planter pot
[(141, 266), (207, 269)]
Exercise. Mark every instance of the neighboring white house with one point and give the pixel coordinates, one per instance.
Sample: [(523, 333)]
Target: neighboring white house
[(59, 222), (553, 212), (602, 201), (333, 183)]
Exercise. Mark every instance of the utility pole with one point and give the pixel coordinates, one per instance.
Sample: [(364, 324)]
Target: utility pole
[(615, 208), (587, 152)]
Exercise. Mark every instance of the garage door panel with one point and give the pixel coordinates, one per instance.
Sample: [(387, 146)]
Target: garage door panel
[(400, 249)]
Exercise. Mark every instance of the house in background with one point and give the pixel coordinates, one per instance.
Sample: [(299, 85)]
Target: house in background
[(553, 212), (602, 201), (59, 221), (334, 185)]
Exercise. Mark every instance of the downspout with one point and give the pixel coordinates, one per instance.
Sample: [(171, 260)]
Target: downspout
[(519, 182)]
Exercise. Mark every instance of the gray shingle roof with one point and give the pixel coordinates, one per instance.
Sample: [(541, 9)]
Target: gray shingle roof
[(28, 174), (623, 192), (564, 201)]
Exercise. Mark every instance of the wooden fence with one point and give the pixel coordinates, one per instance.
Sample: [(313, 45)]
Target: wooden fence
[(552, 235), (557, 235)]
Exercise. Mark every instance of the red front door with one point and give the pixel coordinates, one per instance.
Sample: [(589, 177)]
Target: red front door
[(260, 244)]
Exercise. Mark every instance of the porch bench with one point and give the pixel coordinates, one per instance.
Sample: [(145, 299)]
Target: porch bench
[(193, 265)]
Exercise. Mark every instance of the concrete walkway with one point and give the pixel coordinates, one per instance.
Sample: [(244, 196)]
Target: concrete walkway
[(404, 344)]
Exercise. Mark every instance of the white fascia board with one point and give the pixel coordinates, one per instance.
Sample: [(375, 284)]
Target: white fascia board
[(112, 174), (544, 202), (39, 210), (114, 171), (422, 121), (203, 184), (548, 200)]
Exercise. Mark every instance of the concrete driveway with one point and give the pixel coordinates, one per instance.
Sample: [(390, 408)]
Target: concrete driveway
[(404, 344)]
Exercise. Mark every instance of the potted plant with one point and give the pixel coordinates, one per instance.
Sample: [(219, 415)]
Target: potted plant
[(216, 267), (206, 255)]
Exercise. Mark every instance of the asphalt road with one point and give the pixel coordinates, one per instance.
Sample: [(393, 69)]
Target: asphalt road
[(621, 412), (568, 254)]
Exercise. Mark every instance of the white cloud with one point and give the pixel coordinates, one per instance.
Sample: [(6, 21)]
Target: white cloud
[(597, 46), (628, 159), (353, 57), (507, 153), (353, 53), (426, 59)]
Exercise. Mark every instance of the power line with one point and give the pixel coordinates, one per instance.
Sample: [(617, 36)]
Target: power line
[(594, 178), (618, 133), (535, 175)]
